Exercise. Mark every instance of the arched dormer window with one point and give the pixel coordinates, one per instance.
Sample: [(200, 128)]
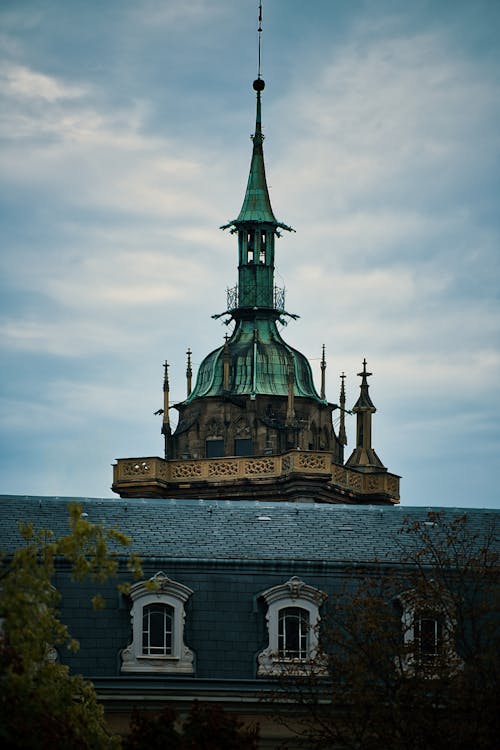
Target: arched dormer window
[(428, 635), (157, 617), (293, 623)]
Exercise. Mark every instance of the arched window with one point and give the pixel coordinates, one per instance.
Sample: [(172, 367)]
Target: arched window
[(157, 618), (428, 635), (157, 629), (293, 623), (428, 638), (262, 253), (293, 633), (250, 247)]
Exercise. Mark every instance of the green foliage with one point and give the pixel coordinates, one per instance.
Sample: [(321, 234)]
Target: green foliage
[(377, 694), (41, 704), (207, 727)]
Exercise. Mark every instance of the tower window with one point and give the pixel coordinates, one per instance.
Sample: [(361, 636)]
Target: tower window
[(250, 247), (214, 448), (262, 254), (243, 447)]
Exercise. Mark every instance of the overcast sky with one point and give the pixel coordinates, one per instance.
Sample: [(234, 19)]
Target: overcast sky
[(124, 129)]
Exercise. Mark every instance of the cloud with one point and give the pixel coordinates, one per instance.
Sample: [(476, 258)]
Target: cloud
[(172, 14), (382, 152), (21, 82)]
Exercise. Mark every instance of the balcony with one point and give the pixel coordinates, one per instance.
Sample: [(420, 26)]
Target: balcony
[(156, 477)]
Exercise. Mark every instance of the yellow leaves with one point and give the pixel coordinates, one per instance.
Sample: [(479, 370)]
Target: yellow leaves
[(73, 645), (42, 689), (27, 530), (98, 602)]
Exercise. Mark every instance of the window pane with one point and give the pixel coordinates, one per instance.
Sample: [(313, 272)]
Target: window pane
[(243, 447), (157, 622), (293, 633), (428, 637), (214, 448)]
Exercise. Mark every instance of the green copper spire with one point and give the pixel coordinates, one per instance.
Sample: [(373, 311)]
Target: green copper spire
[(256, 208), (254, 360), (257, 229), (256, 204)]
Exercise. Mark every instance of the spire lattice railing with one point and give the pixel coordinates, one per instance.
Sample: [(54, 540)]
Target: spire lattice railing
[(233, 298)]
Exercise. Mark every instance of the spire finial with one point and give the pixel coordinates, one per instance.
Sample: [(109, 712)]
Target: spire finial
[(259, 84), (165, 428), (342, 432), (226, 363), (323, 368), (364, 374), (260, 34), (189, 372)]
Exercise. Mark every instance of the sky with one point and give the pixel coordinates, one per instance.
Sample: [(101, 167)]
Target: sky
[(124, 130)]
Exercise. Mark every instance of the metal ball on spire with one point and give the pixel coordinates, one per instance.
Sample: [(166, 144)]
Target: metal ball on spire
[(259, 84)]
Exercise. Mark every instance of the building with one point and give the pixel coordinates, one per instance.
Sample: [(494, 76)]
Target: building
[(246, 525)]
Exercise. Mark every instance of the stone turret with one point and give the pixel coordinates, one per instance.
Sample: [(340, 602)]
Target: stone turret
[(240, 402), (363, 458), (254, 425)]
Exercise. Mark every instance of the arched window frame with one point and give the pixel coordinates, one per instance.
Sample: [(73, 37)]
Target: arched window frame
[(158, 590), (416, 608), (165, 644), (293, 619), (292, 594)]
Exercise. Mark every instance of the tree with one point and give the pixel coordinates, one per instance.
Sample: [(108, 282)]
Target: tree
[(412, 655), (206, 727), (41, 704)]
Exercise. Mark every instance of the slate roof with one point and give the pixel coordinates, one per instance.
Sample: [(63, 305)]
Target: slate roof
[(237, 530)]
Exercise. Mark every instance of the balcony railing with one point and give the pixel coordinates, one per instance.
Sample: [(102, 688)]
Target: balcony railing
[(129, 471)]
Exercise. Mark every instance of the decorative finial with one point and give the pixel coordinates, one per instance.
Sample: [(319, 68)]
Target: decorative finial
[(290, 410), (189, 372), (165, 428), (342, 432), (226, 363), (259, 84), (364, 374), (323, 368)]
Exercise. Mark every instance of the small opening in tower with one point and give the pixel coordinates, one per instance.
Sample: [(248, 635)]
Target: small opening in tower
[(250, 247), (262, 255)]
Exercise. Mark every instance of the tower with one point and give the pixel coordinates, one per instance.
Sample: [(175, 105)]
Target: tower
[(254, 425)]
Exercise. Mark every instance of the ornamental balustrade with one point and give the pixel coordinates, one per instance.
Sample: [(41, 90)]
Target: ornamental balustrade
[(230, 468)]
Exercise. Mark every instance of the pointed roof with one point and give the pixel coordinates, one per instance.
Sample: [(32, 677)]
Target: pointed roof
[(364, 401), (256, 206)]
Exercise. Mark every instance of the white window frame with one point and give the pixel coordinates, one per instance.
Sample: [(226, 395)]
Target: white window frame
[(158, 590), (294, 593), (415, 608)]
